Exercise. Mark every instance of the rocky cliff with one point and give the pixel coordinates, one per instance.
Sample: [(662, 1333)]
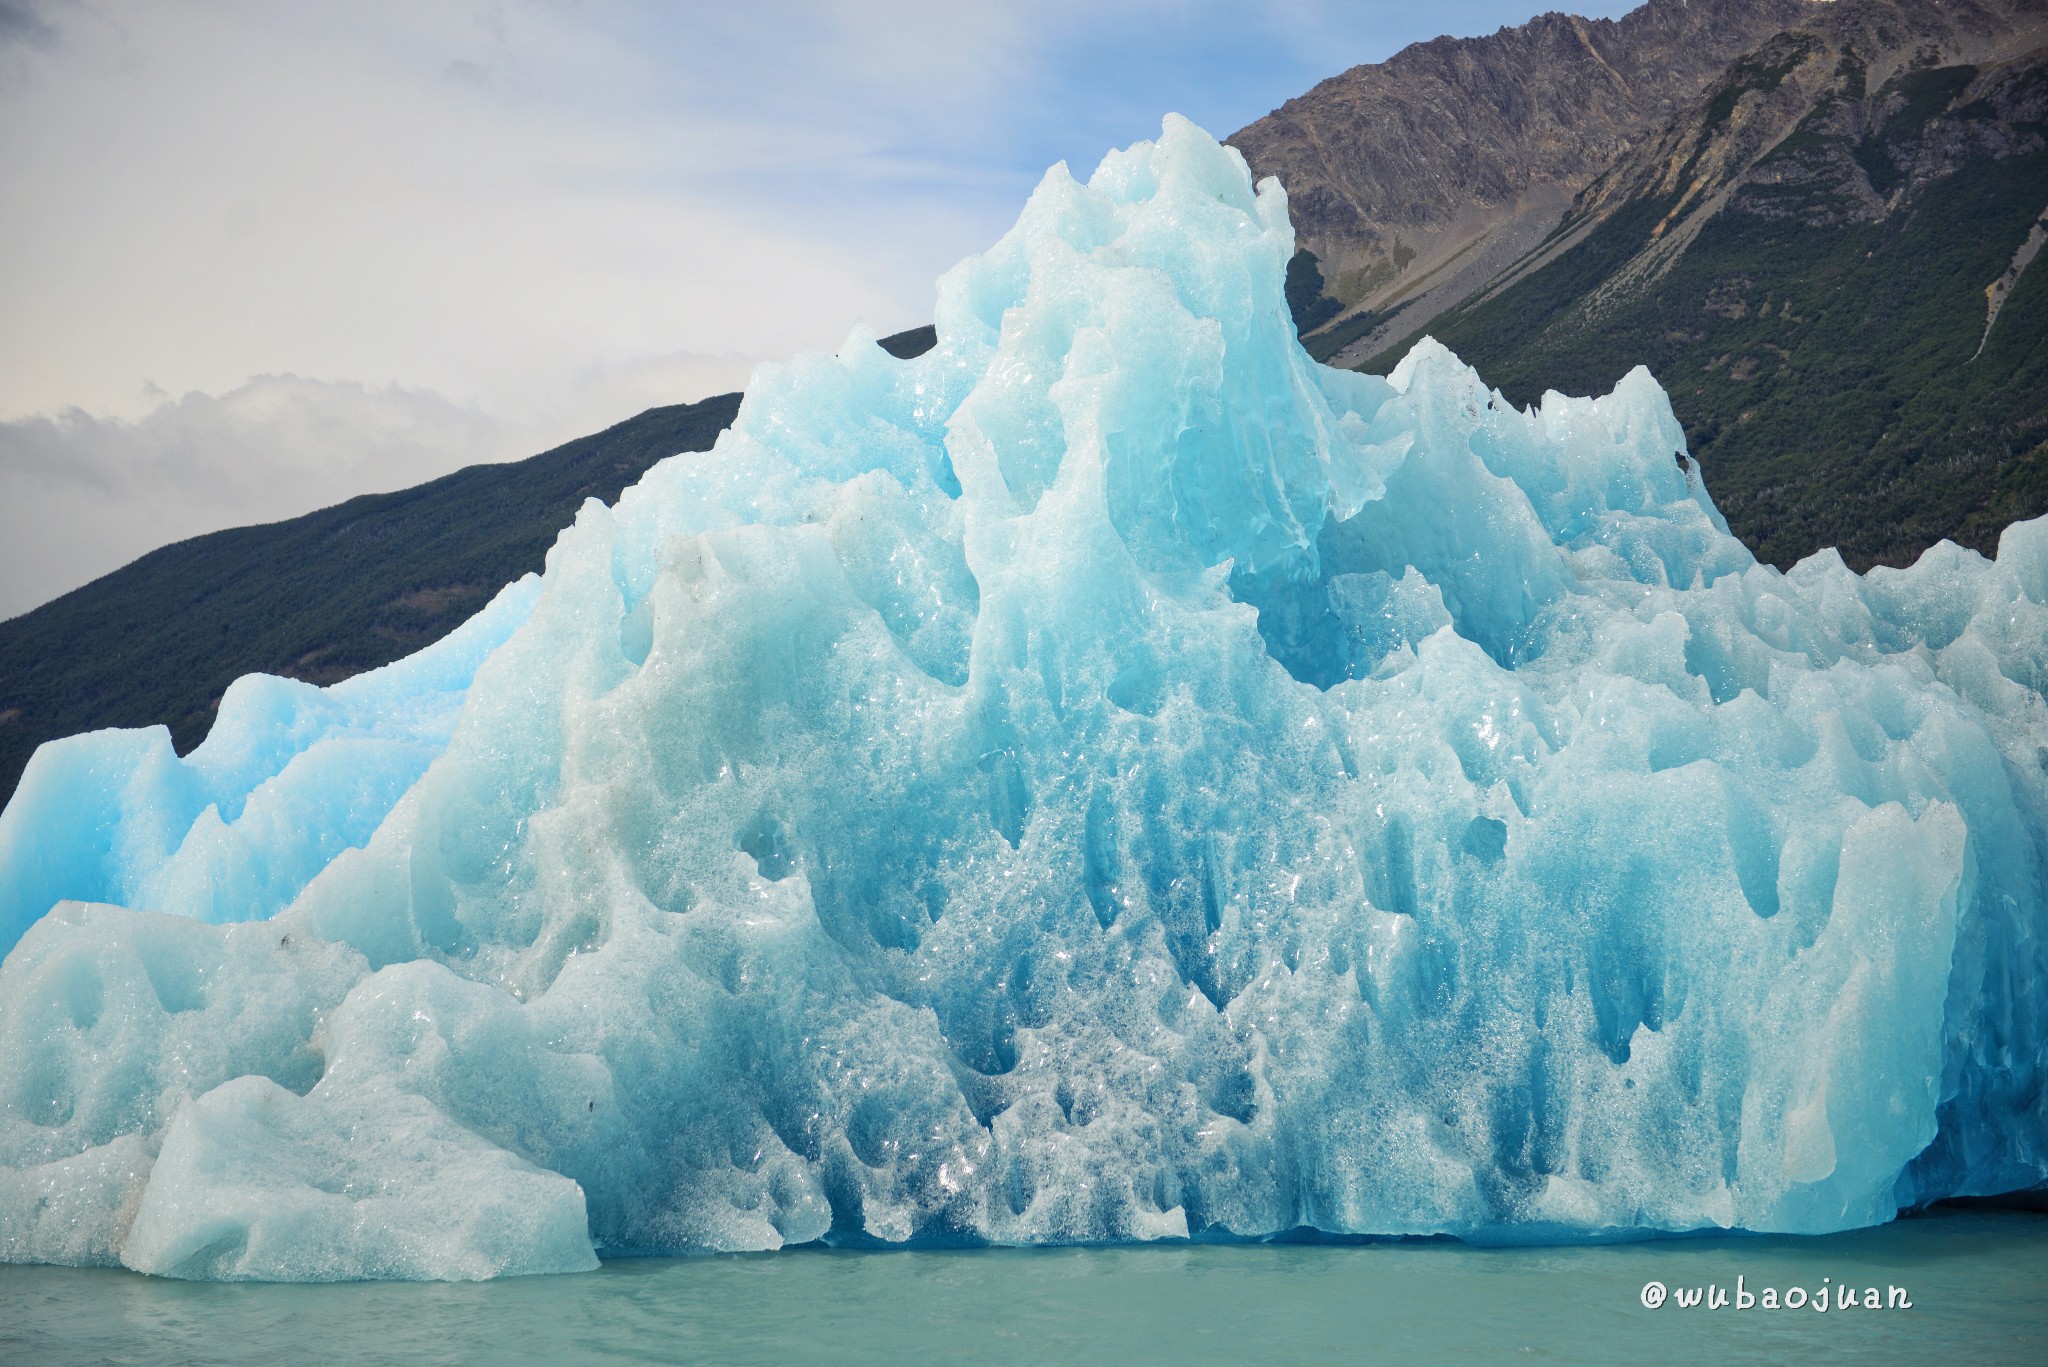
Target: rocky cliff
[(1415, 180), (1829, 259)]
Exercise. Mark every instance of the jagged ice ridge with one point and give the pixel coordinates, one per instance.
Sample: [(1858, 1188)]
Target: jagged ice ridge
[(1106, 778)]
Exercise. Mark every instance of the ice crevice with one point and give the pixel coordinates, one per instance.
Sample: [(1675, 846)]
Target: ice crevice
[(1106, 778)]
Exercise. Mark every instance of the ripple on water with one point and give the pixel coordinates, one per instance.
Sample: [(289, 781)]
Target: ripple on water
[(1974, 1279)]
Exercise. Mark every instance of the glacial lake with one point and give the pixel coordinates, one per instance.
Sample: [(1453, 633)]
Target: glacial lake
[(1977, 1282)]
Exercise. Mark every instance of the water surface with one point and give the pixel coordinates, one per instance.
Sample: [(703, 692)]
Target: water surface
[(1975, 1279)]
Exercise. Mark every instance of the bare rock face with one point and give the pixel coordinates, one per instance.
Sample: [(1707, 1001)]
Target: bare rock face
[(1790, 129), (1447, 161), (1837, 121), (1831, 260)]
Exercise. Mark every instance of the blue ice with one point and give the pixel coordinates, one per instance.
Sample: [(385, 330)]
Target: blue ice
[(1108, 778)]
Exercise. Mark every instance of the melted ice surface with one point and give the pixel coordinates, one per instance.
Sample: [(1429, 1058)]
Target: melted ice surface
[(1107, 778)]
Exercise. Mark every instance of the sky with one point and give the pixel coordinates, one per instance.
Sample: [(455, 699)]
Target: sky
[(256, 258)]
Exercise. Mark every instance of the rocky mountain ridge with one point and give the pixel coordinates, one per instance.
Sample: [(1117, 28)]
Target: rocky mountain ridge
[(1825, 260), (1415, 180), (1779, 135)]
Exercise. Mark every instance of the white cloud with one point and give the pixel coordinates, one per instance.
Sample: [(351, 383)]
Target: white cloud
[(216, 191), (551, 212), (273, 448), (485, 237)]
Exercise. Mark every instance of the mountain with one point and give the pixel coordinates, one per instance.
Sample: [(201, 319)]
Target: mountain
[(1825, 260), (1415, 180), (319, 597), (1813, 219)]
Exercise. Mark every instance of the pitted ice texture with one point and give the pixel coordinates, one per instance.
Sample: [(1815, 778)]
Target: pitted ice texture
[(1106, 778)]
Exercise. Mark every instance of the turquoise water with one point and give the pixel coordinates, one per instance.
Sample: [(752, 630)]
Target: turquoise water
[(1978, 1283)]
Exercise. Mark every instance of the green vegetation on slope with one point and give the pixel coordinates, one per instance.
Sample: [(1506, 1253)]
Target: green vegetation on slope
[(1822, 366), (1306, 300), (1333, 339), (1313, 308), (319, 597), (915, 342)]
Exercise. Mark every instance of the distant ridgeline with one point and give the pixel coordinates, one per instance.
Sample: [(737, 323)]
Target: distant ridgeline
[(320, 597), (1825, 251), (1824, 258)]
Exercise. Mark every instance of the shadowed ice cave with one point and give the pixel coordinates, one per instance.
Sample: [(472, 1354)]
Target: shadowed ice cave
[(1107, 778)]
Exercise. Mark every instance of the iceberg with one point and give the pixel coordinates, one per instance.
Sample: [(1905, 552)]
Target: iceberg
[(1107, 778)]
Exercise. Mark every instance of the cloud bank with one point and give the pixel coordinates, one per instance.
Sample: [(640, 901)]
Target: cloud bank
[(517, 222), (269, 449)]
